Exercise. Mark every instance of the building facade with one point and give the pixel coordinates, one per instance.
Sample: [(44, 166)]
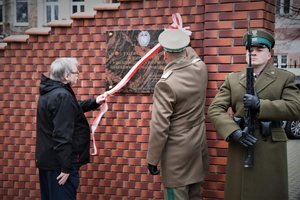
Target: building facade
[(16, 16), (287, 34)]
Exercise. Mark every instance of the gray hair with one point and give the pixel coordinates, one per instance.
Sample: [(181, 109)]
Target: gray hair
[(62, 66)]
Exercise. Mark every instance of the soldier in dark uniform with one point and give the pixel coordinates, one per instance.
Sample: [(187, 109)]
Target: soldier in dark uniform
[(277, 98), (177, 130)]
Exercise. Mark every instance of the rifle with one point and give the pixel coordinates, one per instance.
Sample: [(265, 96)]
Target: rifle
[(249, 117)]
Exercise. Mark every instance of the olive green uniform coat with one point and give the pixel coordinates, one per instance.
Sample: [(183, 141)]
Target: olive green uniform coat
[(279, 100), (177, 129)]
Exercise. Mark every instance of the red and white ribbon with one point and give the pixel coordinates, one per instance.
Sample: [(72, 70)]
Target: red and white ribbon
[(121, 84), (177, 24), (103, 109)]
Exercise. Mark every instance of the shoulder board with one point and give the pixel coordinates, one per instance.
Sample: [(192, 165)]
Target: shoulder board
[(166, 75), (196, 60)]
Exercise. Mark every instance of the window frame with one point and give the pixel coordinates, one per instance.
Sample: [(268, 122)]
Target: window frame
[(52, 5), (17, 23), (78, 4), (2, 22), (279, 59), (281, 8), (2, 17)]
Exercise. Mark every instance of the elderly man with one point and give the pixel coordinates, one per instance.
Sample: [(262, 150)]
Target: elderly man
[(63, 132), (177, 130), (277, 98)]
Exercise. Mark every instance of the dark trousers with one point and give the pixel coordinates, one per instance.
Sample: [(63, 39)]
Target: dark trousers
[(51, 190), (188, 192)]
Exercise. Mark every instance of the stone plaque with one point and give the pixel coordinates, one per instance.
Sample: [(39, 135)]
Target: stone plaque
[(124, 49)]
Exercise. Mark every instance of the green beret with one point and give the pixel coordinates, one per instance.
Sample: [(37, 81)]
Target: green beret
[(260, 38), (173, 40)]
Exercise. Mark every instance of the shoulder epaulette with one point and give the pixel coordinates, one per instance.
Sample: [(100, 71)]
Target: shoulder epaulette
[(166, 75), (196, 60)]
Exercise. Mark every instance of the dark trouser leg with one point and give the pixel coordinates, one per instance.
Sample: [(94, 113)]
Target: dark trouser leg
[(51, 190), (194, 191), (177, 193), (189, 192), (44, 185)]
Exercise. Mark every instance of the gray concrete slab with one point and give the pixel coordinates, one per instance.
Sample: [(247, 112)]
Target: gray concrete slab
[(293, 150)]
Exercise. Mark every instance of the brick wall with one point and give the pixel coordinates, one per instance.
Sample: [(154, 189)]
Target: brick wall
[(119, 170)]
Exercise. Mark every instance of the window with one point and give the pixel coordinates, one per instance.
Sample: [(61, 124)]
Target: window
[(1, 12), (51, 10), (283, 7), (1, 18), (21, 12), (77, 6), (281, 61)]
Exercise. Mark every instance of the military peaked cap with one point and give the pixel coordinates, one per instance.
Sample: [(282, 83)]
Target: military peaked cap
[(173, 40), (260, 38)]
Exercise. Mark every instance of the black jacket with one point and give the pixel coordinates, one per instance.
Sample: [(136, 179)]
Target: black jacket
[(63, 132)]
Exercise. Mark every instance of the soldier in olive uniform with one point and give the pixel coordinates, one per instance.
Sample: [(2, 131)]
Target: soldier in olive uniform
[(177, 130), (277, 98)]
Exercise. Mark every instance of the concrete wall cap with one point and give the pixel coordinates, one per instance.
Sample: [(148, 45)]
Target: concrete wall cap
[(84, 15), (38, 31), (60, 23), (107, 6), (16, 38)]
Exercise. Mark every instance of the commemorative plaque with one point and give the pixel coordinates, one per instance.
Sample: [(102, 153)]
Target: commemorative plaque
[(124, 49)]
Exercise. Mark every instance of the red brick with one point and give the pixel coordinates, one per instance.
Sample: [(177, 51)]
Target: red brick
[(231, 50), (161, 4), (214, 194), (250, 6), (136, 21), (232, 33), (217, 59), (122, 115), (239, 59), (217, 76), (211, 17), (130, 123), (219, 7), (211, 51), (218, 160), (217, 42), (146, 115), (218, 25), (211, 1), (233, 16), (118, 107), (231, 67), (211, 34), (122, 130), (131, 107), (134, 115), (257, 14)]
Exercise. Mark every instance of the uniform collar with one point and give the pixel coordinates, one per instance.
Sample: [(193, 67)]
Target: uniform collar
[(266, 77), (178, 64)]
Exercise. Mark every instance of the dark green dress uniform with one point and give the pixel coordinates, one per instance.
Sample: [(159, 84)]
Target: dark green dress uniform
[(279, 100)]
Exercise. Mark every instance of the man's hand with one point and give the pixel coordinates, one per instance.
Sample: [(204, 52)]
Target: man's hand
[(62, 178), (251, 102), (101, 98), (153, 169), (243, 137)]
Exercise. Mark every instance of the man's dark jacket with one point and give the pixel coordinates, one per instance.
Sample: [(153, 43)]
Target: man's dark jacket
[(63, 132)]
